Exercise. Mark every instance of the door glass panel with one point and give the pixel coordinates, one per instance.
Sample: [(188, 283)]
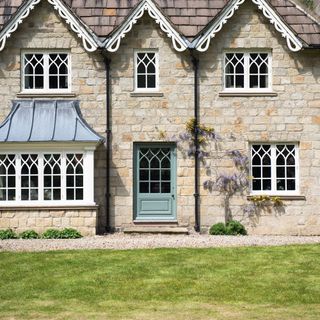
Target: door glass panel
[(154, 170)]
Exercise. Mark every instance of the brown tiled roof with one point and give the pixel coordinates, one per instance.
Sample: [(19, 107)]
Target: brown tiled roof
[(188, 16)]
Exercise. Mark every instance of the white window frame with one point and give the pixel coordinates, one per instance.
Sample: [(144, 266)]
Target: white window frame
[(45, 88), (246, 87), (274, 190), (88, 177), (136, 89)]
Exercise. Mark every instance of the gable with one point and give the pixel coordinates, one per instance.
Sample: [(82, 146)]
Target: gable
[(20, 14), (95, 22)]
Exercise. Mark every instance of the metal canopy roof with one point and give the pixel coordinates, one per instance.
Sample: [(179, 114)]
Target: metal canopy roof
[(43, 120)]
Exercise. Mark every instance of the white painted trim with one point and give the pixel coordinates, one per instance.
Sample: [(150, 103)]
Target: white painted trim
[(90, 44), (136, 89), (179, 43), (274, 191), (246, 52), (202, 42), (88, 175), (46, 74)]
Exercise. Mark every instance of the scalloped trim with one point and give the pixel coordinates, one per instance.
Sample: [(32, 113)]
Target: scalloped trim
[(294, 44), (178, 42), (89, 43)]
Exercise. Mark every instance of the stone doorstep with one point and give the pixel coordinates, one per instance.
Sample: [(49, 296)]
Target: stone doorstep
[(156, 229)]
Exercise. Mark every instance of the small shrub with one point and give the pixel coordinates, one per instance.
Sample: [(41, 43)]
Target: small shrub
[(69, 233), (29, 234), (7, 234), (52, 234), (218, 229), (234, 228)]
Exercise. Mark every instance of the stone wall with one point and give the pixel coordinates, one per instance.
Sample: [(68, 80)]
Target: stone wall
[(40, 219), (290, 116), (43, 29)]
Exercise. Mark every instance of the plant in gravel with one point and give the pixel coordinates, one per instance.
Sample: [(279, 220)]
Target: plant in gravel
[(234, 228), (231, 228), (52, 234), (7, 234), (29, 234), (218, 229), (67, 233), (70, 233)]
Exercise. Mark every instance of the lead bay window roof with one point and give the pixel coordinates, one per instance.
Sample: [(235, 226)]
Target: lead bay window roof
[(42, 120)]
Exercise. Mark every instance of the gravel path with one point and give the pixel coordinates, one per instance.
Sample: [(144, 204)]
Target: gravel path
[(123, 241)]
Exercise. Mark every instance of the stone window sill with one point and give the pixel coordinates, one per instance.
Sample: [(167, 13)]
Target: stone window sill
[(247, 94), (146, 94), (46, 95), (301, 198), (50, 208)]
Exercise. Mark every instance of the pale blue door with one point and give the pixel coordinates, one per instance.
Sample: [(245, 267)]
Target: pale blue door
[(154, 182)]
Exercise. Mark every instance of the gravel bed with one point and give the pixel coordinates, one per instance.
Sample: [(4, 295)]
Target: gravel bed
[(138, 241)]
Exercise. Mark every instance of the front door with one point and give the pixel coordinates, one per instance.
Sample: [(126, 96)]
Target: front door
[(154, 182)]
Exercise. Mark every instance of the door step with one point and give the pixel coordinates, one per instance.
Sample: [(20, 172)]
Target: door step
[(154, 229)]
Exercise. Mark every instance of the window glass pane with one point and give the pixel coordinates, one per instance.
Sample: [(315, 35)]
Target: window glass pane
[(239, 81), (254, 82), (144, 187), (70, 194), (267, 184), (144, 175), (79, 194), (151, 81), (53, 82), (291, 172), (229, 81), (281, 184), (154, 187), (165, 175), (291, 184), (256, 184), (165, 187), (11, 194), (141, 81), (280, 172), (155, 174), (56, 194)]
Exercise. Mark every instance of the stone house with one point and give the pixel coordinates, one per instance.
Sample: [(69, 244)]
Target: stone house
[(94, 93)]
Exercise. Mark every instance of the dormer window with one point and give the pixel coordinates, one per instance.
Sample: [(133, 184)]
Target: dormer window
[(146, 71), (247, 71), (46, 72)]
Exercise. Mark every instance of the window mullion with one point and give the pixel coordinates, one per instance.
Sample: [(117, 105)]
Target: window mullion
[(246, 70), (40, 176), (46, 71), (273, 168), (63, 176), (18, 177)]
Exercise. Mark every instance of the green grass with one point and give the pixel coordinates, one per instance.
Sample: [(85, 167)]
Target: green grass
[(226, 283)]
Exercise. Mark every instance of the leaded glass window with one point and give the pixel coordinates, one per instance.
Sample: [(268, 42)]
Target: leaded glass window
[(274, 168), (46, 71), (44, 177), (74, 176), (7, 177), (155, 170), (247, 71), (146, 71)]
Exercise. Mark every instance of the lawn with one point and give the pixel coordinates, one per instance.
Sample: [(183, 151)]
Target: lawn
[(280, 283)]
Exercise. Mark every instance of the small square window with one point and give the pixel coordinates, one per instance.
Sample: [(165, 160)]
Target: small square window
[(247, 71), (46, 72), (146, 71)]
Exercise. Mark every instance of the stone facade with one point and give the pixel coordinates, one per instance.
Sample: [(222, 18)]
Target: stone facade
[(290, 115), (82, 219)]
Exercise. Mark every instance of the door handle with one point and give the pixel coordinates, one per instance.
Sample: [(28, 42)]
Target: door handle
[(172, 196)]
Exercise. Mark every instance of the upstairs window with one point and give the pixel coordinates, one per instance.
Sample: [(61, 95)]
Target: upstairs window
[(246, 71), (274, 168), (46, 72), (146, 71)]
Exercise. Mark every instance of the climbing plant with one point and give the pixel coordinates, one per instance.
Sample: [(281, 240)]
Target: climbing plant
[(235, 180)]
